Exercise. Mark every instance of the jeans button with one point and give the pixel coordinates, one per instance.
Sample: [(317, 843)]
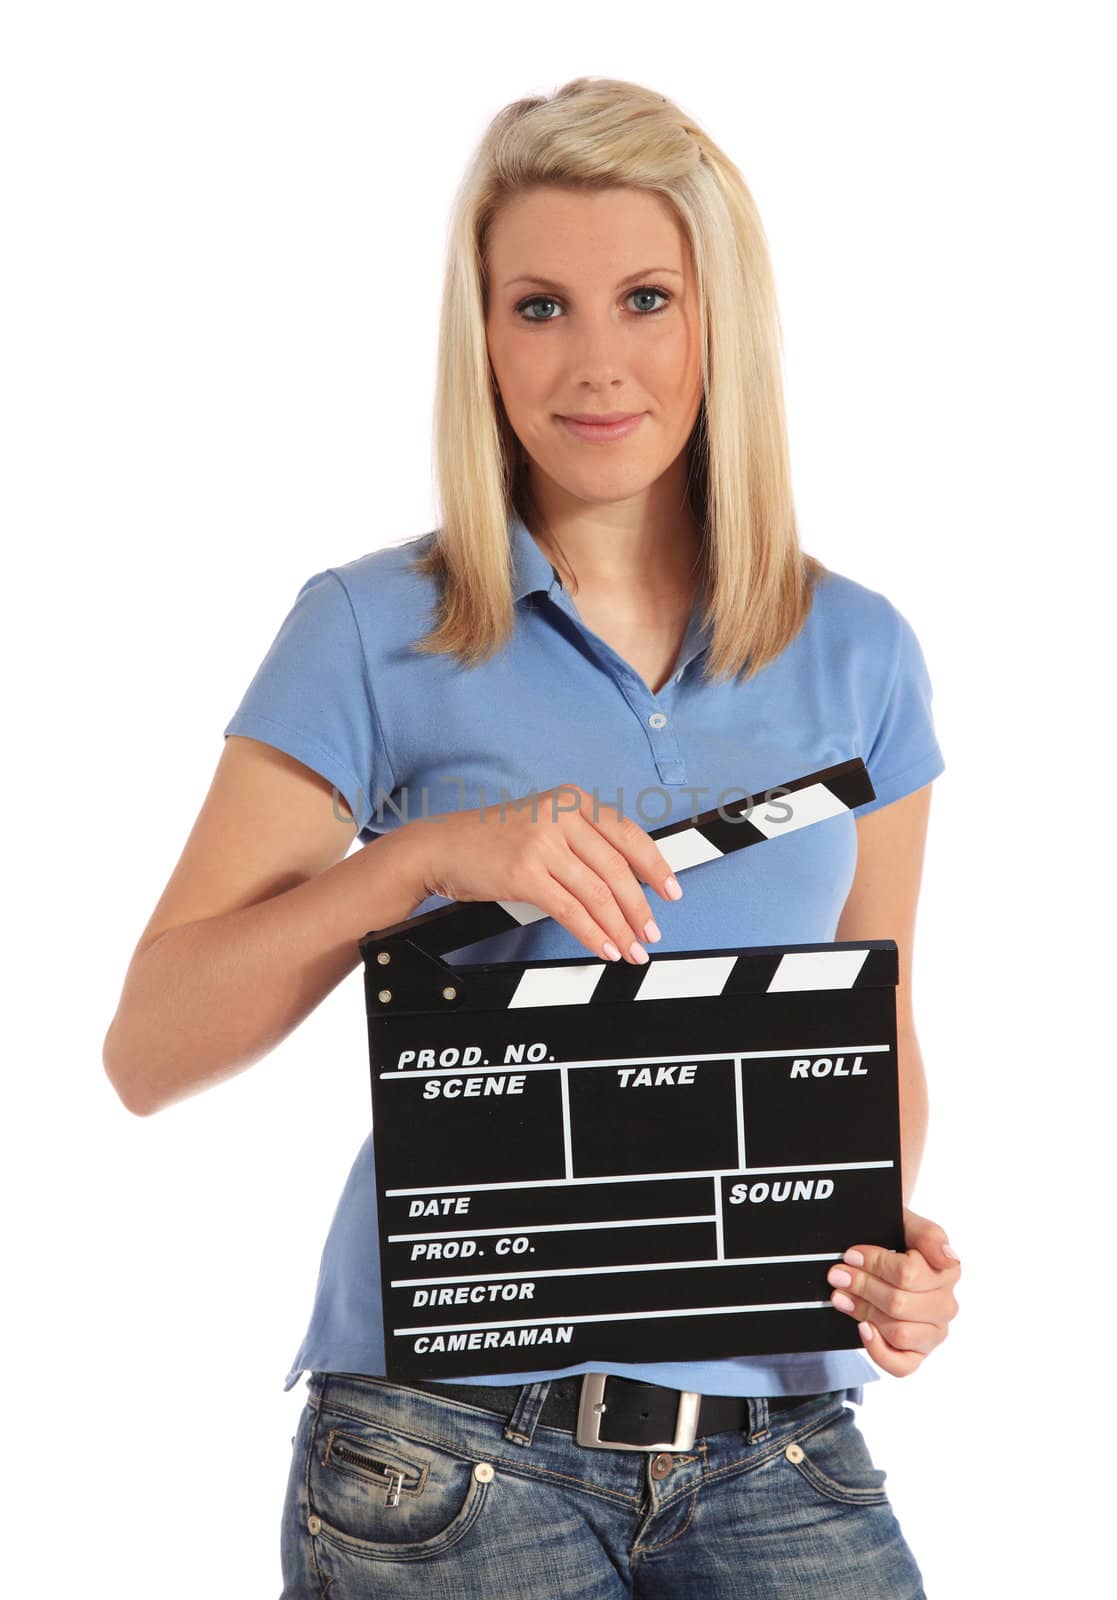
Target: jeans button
[(793, 1453), (314, 1524), (661, 1466), (483, 1472)]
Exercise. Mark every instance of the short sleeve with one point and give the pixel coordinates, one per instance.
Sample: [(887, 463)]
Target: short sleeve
[(312, 697), (904, 751)]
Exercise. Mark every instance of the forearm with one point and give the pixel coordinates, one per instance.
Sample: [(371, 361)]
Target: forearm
[(913, 1109), (209, 998)]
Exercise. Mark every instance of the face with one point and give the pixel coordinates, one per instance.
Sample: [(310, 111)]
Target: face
[(592, 310)]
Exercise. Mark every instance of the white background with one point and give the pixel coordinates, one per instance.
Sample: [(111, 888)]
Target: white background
[(224, 227)]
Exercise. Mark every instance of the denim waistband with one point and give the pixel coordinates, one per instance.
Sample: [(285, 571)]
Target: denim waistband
[(460, 1421)]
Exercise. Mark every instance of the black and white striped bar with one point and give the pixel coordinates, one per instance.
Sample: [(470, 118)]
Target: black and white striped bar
[(692, 842), (689, 975)]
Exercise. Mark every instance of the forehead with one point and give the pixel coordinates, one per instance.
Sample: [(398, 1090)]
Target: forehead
[(549, 227)]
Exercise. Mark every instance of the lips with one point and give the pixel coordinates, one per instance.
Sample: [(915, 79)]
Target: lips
[(604, 426), (600, 416)]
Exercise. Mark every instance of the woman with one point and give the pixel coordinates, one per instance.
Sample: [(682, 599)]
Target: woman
[(618, 611)]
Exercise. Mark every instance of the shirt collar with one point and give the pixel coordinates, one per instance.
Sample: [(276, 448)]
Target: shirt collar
[(531, 571)]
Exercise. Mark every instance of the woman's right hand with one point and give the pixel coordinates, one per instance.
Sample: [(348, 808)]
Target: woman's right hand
[(580, 861)]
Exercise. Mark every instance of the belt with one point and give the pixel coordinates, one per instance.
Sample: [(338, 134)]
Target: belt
[(606, 1411)]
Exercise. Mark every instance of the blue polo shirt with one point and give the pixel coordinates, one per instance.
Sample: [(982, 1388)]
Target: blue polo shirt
[(404, 735)]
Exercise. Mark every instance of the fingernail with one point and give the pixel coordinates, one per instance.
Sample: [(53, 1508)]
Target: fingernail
[(854, 1258), (610, 951), (672, 887), (651, 932), (866, 1331), (840, 1279), (638, 953), (842, 1301), (949, 1250)]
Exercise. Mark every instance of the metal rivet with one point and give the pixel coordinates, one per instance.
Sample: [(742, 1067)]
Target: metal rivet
[(385, 995), (314, 1524), (483, 1472), (793, 1453), (449, 992), (661, 1466), (383, 957)]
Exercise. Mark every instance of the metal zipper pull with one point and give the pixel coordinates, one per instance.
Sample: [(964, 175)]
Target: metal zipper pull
[(395, 1484)]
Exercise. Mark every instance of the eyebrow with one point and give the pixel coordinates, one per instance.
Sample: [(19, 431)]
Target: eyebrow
[(549, 283)]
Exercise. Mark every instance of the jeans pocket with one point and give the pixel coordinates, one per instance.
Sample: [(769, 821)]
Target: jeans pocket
[(834, 1459), (377, 1494)]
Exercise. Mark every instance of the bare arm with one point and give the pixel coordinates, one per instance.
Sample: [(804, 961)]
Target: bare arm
[(258, 923), (882, 905), (263, 913)]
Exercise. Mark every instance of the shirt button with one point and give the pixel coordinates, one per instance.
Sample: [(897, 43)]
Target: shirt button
[(657, 720)]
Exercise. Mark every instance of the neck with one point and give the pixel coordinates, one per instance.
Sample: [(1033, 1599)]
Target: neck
[(649, 545)]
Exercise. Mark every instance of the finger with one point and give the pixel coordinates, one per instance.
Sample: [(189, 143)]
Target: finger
[(599, 899), (640, 850), (876, 1298), (909, 1335), (606, 939), (604, 861), (884, 1294), (903, 1269), (900, 1363)]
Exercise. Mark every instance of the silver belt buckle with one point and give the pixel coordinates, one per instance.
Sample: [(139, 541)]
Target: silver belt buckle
[(591, 1407)]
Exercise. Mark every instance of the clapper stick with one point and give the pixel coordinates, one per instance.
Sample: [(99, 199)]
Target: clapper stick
[(580, 1160), (687, 843)]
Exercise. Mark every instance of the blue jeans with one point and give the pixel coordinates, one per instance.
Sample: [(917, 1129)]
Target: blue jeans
[(395, 1491)]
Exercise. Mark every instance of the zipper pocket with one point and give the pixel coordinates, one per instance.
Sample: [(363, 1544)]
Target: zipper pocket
[(391, 1476)]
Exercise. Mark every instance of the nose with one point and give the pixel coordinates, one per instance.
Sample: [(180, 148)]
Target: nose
[(597, 348)]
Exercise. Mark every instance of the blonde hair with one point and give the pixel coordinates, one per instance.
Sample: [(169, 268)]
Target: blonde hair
[(598, 133)]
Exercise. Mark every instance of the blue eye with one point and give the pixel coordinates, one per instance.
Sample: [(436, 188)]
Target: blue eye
[(550, 300)]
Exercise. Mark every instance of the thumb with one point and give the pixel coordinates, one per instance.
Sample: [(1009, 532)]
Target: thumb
[(921, 1234)]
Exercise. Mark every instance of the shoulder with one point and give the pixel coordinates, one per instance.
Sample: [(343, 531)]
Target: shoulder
[(391, 603), (872, 664), (844, 606), (387, 576), (856, 628), (390, 564)]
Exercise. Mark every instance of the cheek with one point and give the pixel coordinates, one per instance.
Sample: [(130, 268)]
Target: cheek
[(671, 371), (526, 371)]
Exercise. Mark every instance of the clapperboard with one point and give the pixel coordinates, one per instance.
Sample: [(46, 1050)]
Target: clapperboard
[(580, 1160)]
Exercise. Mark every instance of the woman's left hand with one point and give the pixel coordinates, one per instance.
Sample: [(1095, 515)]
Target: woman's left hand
[(903, 1300)]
